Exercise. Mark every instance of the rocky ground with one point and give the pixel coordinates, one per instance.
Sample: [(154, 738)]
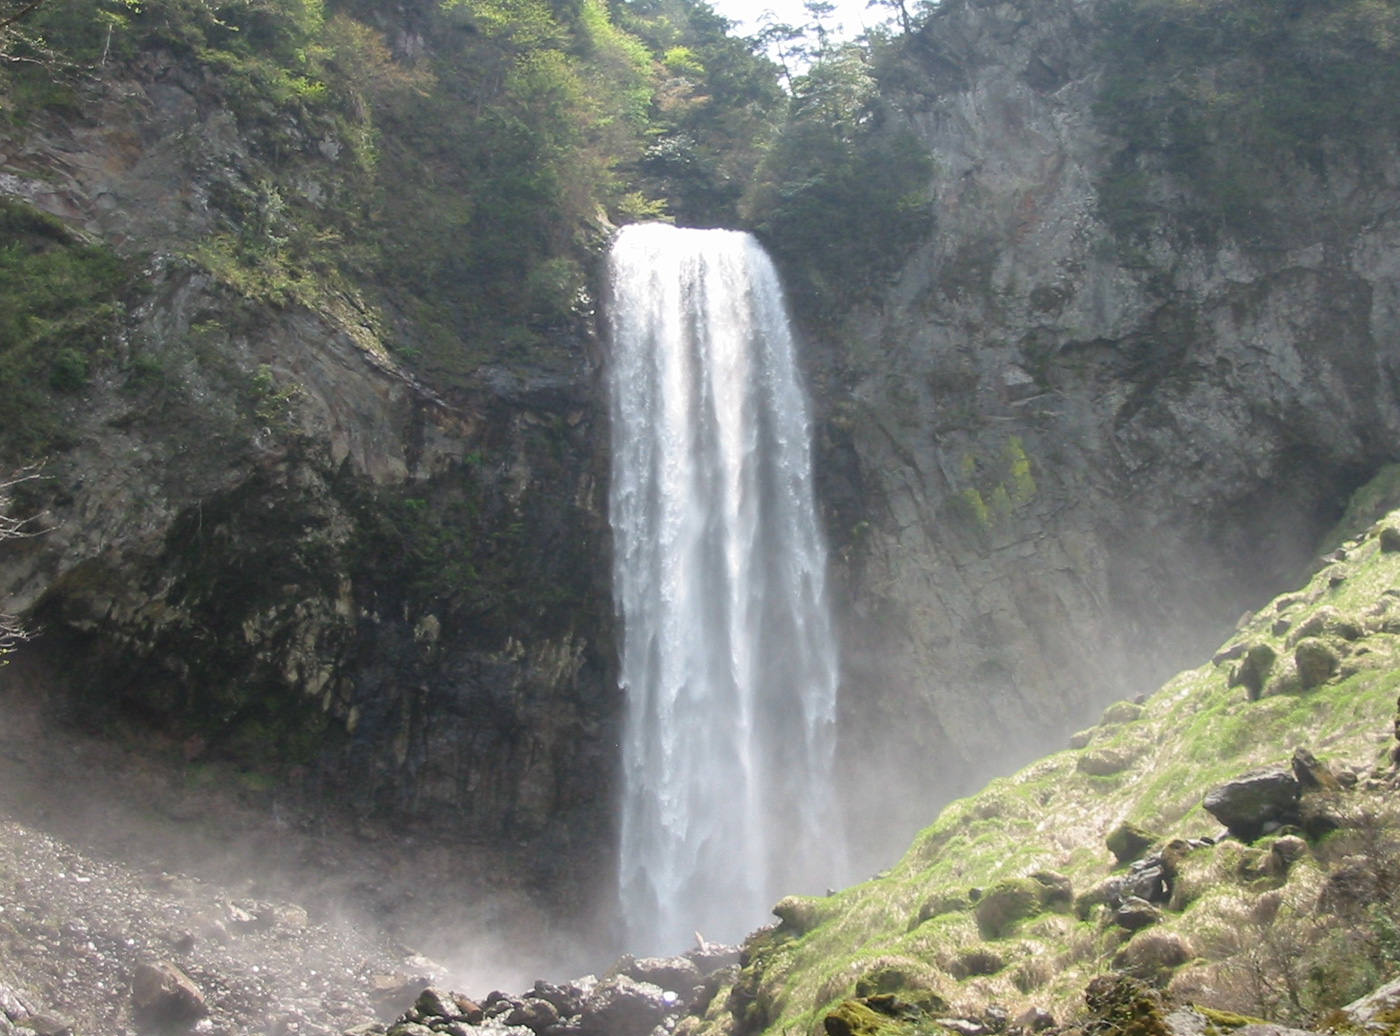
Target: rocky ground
[(111, 860)]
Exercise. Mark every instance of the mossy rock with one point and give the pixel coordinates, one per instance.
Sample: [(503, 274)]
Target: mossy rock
[(1120, 712), (909, 983), (800, 914), (941, 903), (858, 1018), (976, 962), (1389, 538), (1006, 904), (1253, 670), (1127, 842), (1126, 1006), (1317, 661), (1104, 762)]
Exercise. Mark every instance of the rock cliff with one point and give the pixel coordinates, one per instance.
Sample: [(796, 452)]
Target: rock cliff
[(1065, 449), (265, 540)]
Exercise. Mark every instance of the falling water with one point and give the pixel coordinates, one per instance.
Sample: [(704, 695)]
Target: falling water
[(728, 656)]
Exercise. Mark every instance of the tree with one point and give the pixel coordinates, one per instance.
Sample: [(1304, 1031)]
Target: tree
[(899, 5)]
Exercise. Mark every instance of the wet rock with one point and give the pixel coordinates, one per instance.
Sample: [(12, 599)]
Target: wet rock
[(679, 974), (568, 999), (1127, 842), (163, 995), (1250, 802), (622, 1006), (1311, 773), (535, 1015), (1135, 914), (711, 957), (1316, 661), (1147, 881)]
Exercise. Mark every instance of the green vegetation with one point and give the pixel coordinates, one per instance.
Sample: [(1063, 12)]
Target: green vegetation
[(841, 197), (443, 194), (60, 303), (1235, 98), (977, 912)]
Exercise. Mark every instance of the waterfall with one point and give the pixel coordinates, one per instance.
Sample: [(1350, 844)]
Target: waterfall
[(728, 658)]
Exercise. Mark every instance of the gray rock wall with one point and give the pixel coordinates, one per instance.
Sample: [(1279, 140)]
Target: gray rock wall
[(1059, 463)]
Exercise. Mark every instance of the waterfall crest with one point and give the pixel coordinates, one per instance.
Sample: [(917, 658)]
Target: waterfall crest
[(728, 655)]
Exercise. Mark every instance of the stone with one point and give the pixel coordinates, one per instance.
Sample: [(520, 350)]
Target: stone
[(1152, 955), (1377, 1008), (1311, 774), (1136, 913), (1006, 903), (535, 1015), (163, 995), (622, 1006), (1285, 852), (1316, 661), (1389, 538), (435, 1003), (1148, 882), (1082, 738), (1108, 892), (798, 914), (1127, 842), (1120, 712), (1253, 669), (679, 974), (1056, 891), (1248, 803)]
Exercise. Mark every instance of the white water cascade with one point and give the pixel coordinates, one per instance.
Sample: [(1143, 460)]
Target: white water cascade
[(728, 654)]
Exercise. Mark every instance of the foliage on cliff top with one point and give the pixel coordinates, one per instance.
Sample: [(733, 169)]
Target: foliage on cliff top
[(451, 171), (1239, 98), (1248, 928)]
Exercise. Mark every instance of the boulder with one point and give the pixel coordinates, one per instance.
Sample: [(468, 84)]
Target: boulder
[(1249, 803), (164, 996), (1313, 774), (534, 1014), (679, 974), (1253, 669), (1389, 538), (1127, 842), (1316, 661), (622, 1006), (1135, 914), (1006, 903)]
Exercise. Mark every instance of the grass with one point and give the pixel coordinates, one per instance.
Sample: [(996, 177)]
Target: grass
[(1196, 732)]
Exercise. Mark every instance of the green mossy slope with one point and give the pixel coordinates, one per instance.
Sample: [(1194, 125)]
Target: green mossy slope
[(977, 913)]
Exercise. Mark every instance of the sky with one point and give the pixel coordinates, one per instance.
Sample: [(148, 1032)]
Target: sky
[(851, 14)]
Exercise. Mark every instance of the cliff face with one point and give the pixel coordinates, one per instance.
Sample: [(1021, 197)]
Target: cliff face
[(1067, 449), (268, 541)]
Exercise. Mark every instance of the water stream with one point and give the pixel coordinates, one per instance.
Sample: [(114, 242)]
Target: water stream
[(728, 654)]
